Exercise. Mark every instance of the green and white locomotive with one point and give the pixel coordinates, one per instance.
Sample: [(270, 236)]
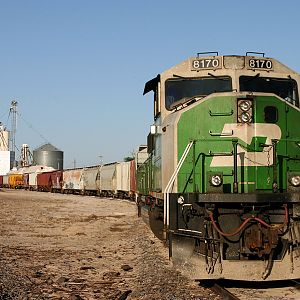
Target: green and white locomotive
[(222, 180)]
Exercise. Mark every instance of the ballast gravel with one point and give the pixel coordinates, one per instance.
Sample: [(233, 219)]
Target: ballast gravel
[(55, 246)]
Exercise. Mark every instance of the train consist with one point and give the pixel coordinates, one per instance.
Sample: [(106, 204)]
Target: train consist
[(116, 179), (222, 180)]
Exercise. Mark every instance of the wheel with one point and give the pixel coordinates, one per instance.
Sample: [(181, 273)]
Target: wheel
[(156, 221)]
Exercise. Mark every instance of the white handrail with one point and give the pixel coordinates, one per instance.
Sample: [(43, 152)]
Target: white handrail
[(171, 181)]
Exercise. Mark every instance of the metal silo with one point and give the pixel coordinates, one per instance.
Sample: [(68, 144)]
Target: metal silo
[(48, 155)]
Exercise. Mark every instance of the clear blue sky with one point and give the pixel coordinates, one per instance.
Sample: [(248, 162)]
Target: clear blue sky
[(78, 68)]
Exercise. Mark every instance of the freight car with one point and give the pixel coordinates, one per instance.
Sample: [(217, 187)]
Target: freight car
[(222, 180), (117, 179), (56, 181), (44, 182), (15, 181), (72, 183), (114, 180), (90, 179), (30, 177)]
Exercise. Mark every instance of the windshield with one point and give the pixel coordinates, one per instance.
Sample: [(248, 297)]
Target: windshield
[(284, 88), (180, 89)]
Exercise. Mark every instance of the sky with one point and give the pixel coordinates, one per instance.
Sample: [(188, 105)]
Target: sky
[(77, 68)]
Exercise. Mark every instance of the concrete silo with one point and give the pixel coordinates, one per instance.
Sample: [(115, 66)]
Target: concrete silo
[(48, 155)]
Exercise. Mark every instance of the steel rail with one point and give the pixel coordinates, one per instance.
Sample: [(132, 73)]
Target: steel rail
[(223, 292)]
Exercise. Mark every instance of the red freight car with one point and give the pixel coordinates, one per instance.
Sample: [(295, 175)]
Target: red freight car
[(44, 182), (56, 181), (132, 180)]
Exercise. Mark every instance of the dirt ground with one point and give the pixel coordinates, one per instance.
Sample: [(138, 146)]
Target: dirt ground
[(55, 246)]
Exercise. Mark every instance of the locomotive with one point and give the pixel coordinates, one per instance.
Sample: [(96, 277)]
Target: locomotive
[(222, 181)]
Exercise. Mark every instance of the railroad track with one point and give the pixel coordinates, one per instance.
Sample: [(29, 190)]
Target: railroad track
[(219, 289), (223, 292), (242, 290)]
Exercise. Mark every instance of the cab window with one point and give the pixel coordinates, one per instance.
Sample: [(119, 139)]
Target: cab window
[(181, 90), (282, 87)]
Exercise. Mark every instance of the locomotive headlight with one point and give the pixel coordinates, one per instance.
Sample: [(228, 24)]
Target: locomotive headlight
[(245, 117), (245, 105), (216, 180), (244, 110), (295, 180)]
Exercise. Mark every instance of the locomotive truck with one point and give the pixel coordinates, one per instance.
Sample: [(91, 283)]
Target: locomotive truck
[(222, 181)]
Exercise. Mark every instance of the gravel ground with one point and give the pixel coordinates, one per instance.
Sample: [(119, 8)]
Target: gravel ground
[(55, 246)]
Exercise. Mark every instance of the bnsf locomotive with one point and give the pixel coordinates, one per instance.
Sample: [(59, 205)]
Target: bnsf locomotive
[(222, 180)]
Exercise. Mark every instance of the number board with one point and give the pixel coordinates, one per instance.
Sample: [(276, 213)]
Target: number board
[(259, 63), (206, 63)]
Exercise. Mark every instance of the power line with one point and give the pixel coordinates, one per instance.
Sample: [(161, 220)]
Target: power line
[(31, 127)]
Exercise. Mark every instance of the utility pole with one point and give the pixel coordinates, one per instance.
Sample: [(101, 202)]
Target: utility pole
[(13, 112)]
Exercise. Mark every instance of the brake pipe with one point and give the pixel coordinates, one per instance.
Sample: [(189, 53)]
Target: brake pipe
[(240, 228)]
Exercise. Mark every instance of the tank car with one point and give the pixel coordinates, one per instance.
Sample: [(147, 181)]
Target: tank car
[(222, 180)]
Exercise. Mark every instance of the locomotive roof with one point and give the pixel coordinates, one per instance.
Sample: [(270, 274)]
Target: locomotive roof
[(233, 62), (222, 64)]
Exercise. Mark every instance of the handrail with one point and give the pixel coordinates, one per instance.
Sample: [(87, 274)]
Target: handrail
[(220, 114), (171, 181)]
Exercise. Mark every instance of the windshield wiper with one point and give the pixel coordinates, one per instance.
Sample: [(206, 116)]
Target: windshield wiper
[(252, 78), (218, 77), (186, 100), (182, 77)]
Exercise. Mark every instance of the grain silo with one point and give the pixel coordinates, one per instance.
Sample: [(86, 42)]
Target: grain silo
[(48, 155)]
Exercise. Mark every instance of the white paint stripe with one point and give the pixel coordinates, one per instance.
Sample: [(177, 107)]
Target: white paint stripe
[(246, 132)]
